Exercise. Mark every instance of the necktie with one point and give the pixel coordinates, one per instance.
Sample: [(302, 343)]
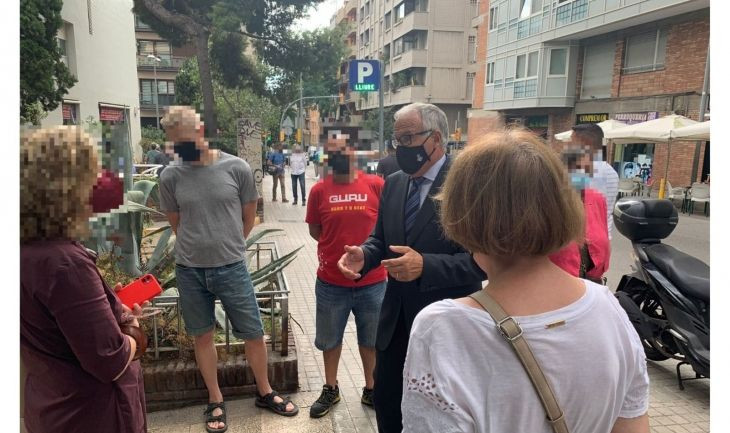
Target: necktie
[(413, 203)]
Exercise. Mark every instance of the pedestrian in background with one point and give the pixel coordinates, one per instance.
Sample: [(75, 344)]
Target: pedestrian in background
[(277, 160), (423, 266), (461, 373), (154, 151), (605, 178), (389, 164), (210, 200), (342, 210), (298, 165), (79, 343), (590, 257)]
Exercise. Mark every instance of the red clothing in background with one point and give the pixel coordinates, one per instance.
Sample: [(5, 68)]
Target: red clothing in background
[(599, 247), (72, 347), (347, 214)]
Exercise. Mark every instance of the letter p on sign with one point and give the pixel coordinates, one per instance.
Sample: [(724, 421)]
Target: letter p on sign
[(364, 70)]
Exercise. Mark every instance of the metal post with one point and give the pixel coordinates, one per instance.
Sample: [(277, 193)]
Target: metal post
[(703, 109), (301, 109), (381, 144), (157, 94)]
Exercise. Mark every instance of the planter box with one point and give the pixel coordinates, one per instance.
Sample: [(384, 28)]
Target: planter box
[(171, 384)]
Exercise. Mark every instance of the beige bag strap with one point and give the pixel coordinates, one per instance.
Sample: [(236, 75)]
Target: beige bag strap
[(512, 332)]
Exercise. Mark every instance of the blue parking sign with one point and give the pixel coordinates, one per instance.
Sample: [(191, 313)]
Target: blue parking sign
[(364, 75)]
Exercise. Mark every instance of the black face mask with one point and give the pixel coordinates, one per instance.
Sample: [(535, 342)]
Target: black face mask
[(339, 163), (187, 151), (411, 159)]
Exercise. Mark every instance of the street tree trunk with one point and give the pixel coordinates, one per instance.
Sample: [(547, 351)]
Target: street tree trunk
[(206, 83)]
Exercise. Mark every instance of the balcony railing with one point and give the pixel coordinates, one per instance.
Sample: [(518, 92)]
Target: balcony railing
[(166, 62), (148, 101)]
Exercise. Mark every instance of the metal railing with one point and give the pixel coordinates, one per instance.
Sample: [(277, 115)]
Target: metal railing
[(263, 252), (166, 62)]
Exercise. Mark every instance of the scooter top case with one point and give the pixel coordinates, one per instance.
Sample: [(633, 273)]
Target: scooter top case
[(645, 221)]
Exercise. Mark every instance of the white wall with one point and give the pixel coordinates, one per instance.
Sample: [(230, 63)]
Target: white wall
[(105, 61)]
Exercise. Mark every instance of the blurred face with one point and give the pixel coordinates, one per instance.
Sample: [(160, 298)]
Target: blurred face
[(340, 157), (186, 142)]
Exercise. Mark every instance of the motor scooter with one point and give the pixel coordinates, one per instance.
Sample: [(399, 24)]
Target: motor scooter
[(667, 297)]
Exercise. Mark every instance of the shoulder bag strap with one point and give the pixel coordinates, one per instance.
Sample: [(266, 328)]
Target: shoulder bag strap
[(512, 332)]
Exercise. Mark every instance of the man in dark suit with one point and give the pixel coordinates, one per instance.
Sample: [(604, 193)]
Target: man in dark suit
[(423, 267), (388, 165)]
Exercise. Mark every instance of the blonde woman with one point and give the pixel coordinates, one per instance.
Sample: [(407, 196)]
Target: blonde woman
[(78, 342), (508, 200)]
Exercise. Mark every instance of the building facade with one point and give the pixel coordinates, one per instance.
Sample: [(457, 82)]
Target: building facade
[(550, 65), (428, 48), (150, 48), (97, 43)]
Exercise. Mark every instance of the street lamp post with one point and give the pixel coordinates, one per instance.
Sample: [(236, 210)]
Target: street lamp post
[(155, 60)]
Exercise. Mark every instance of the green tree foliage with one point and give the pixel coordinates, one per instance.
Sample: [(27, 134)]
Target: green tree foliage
[(150, 135), (197, 20), (187, 85), (371, 121), (44, 78)]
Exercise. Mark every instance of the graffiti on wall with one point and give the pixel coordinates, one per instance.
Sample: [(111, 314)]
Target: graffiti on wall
[(249, 148)]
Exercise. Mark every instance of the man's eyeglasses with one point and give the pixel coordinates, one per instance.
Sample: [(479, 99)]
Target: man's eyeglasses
[(407, 139)]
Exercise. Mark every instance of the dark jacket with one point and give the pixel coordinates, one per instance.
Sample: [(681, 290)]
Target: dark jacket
[(388, 166), (448, 270)]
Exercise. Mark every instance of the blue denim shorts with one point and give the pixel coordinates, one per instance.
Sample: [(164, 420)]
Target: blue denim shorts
[(232, 285), (334, 304)]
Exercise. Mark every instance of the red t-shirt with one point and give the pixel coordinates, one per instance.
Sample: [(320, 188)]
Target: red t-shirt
[(347, 214)]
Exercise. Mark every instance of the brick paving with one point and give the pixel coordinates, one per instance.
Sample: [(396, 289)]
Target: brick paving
[(671, 410)]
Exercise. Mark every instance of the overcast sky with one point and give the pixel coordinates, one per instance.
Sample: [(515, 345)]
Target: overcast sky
[(319, 15)]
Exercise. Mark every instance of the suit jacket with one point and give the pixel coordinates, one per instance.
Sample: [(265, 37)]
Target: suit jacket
[(448, 270)]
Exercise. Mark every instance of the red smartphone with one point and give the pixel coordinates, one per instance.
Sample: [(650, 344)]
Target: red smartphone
[(140, 290)]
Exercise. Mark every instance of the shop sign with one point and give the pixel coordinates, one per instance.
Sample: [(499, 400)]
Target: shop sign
[(632, 118), (111, 114), (592, 118)]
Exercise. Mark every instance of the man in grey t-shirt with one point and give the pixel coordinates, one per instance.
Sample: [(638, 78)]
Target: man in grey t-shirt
[(210, 200)]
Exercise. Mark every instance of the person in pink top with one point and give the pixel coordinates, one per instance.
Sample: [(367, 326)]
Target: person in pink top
[(589, 260)]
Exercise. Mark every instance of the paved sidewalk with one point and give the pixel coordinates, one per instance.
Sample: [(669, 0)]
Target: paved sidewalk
[(671, 410)]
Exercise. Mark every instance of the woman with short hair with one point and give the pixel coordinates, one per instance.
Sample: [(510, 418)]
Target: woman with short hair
[(78, 343), (508, 200)]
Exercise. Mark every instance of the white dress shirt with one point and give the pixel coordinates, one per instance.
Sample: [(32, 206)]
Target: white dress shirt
[(605, 180)]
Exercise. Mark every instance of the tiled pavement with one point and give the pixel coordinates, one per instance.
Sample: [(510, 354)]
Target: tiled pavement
[(671, 410)]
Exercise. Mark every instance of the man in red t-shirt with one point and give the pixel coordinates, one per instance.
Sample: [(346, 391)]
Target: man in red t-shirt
[(342, 210)]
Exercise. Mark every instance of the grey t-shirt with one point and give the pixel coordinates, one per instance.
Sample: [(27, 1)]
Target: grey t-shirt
[(209, 200)]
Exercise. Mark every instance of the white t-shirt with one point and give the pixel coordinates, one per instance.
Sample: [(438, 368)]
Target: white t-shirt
[(298, 162), (605, 180), (462, 376)]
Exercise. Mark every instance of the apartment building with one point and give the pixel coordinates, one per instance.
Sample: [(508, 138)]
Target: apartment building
[(428, 48), (156, 59), (552, 64), (97, 43)]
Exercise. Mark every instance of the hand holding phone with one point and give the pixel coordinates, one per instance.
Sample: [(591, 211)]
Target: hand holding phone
[(139, 291)]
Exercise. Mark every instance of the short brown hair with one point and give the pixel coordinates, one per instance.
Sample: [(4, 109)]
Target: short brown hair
[(508, 195), (59, 167)]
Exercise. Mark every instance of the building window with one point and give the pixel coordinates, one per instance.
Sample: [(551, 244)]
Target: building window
[(490, 73), (367, 9), (558, 61), (529, 8), (387, 21), (472, 49), (493, 18), (165, 92), (412, 41), (362, 13), (526, 65), (645, 52), (598, 70), (469, 85), (70, 113), (570, 12), (62, 50), (160, 49)]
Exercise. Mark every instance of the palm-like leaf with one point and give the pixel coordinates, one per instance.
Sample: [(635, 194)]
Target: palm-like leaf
[(258, 235)]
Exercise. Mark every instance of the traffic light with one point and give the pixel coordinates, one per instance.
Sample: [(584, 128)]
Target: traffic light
[(457, 134), (299, 135), (282, 136)]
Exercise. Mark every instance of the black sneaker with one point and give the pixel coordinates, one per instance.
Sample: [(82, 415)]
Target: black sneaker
[(329, 397), (295, 203), (367, 397), (304, 202)]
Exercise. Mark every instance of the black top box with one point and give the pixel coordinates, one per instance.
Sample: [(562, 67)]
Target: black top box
[(645, 220)]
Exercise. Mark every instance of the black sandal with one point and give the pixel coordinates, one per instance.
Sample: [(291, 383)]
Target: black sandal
[(267, 401), (209, 417)]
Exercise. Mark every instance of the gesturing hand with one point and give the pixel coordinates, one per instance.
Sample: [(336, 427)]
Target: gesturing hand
[(407, 267), (352, 262)]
